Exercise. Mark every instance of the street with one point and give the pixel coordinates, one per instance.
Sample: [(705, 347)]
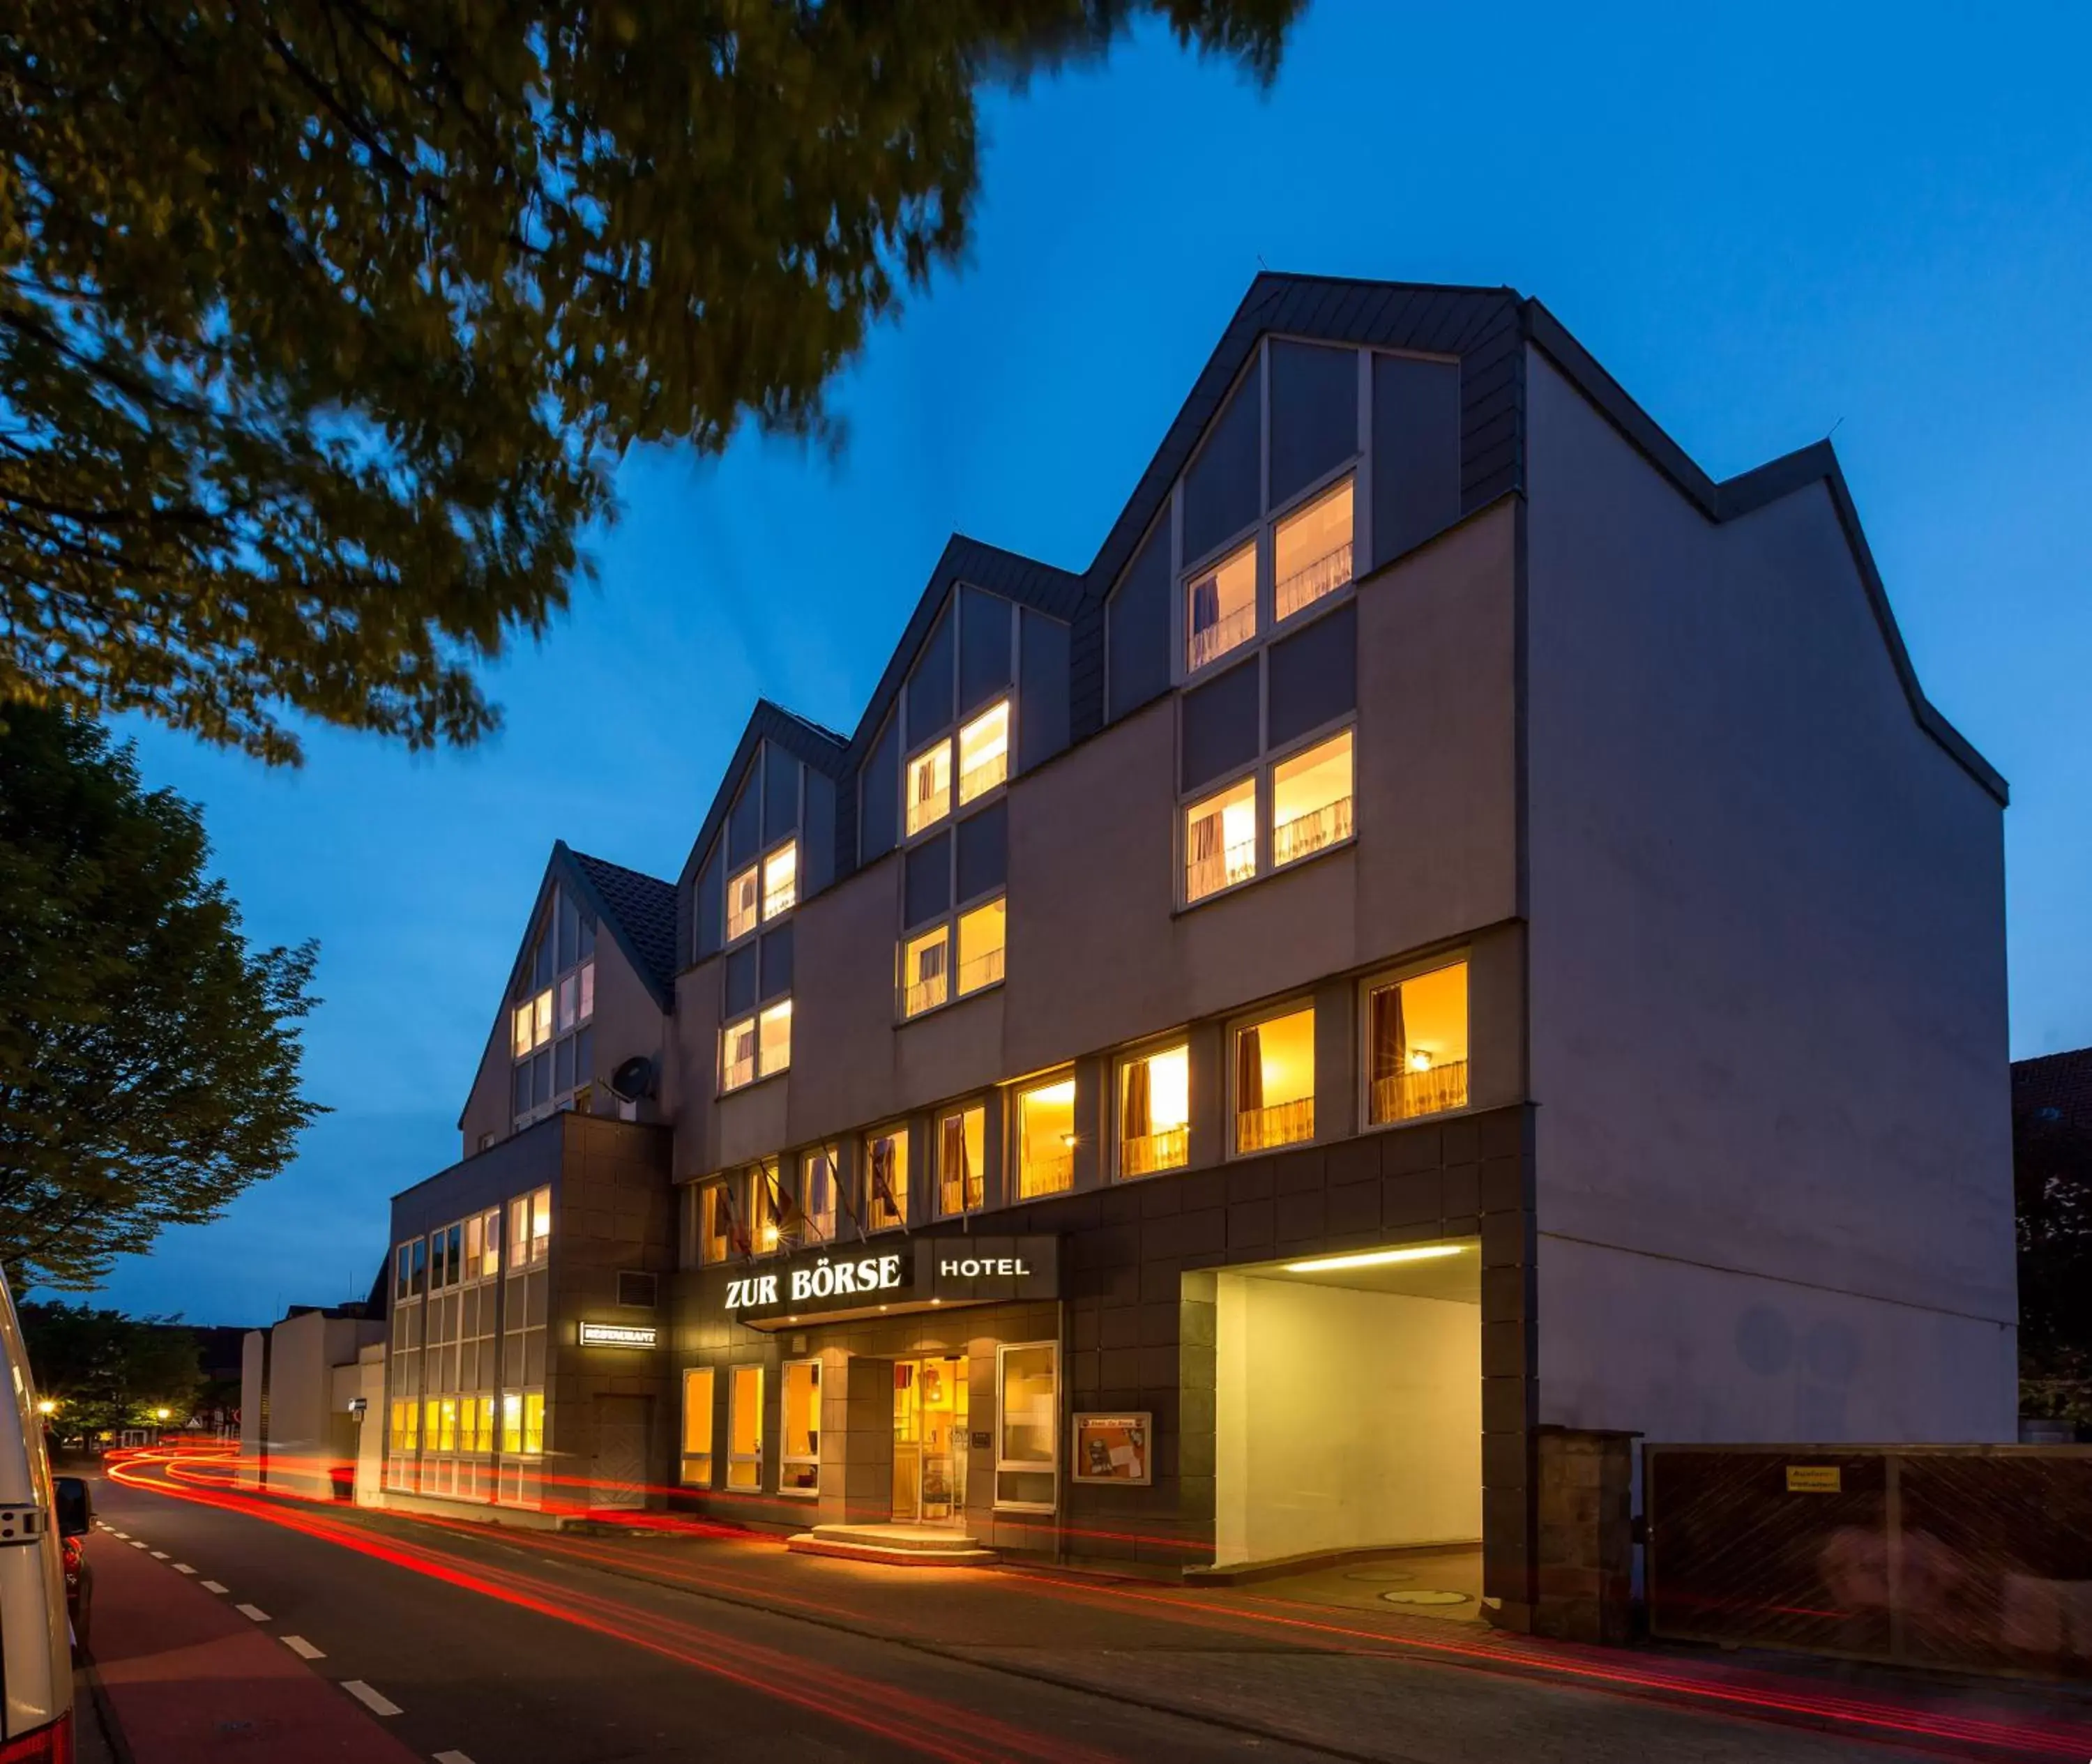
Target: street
[(470, 1643)]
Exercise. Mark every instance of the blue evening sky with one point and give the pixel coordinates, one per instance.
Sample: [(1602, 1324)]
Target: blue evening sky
[(1766, 223)]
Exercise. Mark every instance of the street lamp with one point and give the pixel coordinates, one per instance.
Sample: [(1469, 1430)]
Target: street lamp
[(46, 1405), (162, 1414)]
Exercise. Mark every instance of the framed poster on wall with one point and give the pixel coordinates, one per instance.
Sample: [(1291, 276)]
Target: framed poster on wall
[(1113, 1448)]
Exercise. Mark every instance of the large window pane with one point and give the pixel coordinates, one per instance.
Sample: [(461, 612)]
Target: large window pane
[(521, 1042), (737, 1054), (697, 1427), (1220, 607), (930, 787), (1275, 1082), (1311, 551), (1155, 1112), (1310, 800), (1046, 1138), (962, 1160), (1219, 841), (924, 980), (1416, 1045), (1027, 1424), (984, 752), (980, 946), (714, 1222), (818, 1176), (780, 880), (774, 1037), (744, 1427), (742, 896), (886, 1179), (799, 1458)]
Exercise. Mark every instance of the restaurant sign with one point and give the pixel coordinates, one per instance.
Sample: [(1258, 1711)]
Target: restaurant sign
[(912, 1273)]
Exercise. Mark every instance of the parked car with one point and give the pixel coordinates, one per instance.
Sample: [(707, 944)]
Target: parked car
[(42, 1521)]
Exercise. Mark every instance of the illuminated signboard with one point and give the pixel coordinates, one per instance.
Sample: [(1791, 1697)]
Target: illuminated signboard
[(620, 1335), (857, 1277)]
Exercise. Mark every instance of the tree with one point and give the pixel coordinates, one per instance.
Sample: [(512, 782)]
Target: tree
[(322, 320), (148, 1059), (106, 1372), (2052, 1180)]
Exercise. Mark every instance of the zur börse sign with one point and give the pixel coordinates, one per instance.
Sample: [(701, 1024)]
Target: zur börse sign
[(925, 1271)]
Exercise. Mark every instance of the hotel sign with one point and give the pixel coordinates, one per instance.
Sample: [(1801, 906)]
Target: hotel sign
[(893, 1274), (620, 1335)]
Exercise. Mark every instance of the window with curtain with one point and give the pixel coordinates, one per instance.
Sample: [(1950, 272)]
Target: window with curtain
[(1220, 605), (1155, 1111), (819, 1179), (886, 1180), (961, 1161), (1046, 1138), (1274, 1082), (1416, 1044), (1219, 840)]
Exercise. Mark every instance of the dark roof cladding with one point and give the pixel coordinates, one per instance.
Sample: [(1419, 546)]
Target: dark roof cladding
[(642, 910), (2058, 1081)]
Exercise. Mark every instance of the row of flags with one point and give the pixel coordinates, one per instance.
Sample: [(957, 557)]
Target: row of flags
[(791, 1219)]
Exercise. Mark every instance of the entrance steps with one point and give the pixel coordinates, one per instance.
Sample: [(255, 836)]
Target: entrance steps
[(903, 1546)]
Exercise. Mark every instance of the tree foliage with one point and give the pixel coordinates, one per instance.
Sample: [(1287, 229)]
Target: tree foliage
[(2052, 1178), (322, 320), (148, 1059), (106, 1370)]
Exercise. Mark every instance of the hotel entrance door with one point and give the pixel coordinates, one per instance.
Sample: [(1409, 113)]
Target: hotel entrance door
[(930, 1441)]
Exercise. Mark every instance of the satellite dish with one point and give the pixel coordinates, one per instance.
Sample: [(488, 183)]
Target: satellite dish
[(633, 1079)]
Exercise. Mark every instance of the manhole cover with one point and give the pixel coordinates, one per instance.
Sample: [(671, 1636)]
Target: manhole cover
[(1422, 1595), (1389, 1577)]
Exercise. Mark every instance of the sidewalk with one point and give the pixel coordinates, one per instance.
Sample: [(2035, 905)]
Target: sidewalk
[(188, 1680)]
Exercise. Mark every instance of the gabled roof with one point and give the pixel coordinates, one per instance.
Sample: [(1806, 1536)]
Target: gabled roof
[(809, 741), (638, 910), (2058, 1081)]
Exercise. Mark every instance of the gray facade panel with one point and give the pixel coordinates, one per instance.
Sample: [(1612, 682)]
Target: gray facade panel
[(929, 684), (708, 910), (984, 856), (878, 825), (1138, 641), (1221, 491), (744, 822), (928, 886), (817, 851), (1042, 701), (738, 981), (781, 793), (1416, 452), (984, 648), (776, 963), (1314, 675), (1221, 725), (1314, 414)]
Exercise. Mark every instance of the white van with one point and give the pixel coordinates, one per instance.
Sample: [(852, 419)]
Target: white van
[(36, 1515)]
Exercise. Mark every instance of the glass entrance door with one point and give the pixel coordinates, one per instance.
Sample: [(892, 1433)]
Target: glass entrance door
[(930, 1441)]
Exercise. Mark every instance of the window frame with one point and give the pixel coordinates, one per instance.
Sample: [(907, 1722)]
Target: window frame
[(946, 744), (749, 1022), (737, 1459), (1253, 775), (787, 1459), (946, 925), (1127, 1058), (764, 1067), (1462, 956), (767, 912), (941, 930), (941, 1119), (1273, 1012), (897, 1129), (710, 1413), (1014, 1130), (1250, 538), (1025, 1466), (1336, 729), (540, 992), (1007, 704), (1299, 504)]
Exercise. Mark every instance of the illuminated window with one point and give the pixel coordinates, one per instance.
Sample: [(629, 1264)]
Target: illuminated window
[(1416, 1045), (1219, 608), (980, 946), (744, 1427), (886, 1179), (533, 1422), (541, 1013), (1274, 1088), (715, 1223), (774, 1037), (697, 1427), (1311, 550), (743, 900), (820, 1172), (487, 1261), (549, 1037), (962, 1160), (525, 1038), (541, 1224), (1046, 1138), (737, 1054), (511, 1421), (930, 787), (780, 879), (1155, 1112), (1219, 841), (924, 981), (762, 1203), (1310, 800), (1027, 1424), (799, 1421), (588, 991), (984, 752)]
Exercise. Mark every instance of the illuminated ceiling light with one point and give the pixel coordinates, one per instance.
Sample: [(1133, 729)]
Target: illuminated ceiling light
[(1328, 1264), (1419, 1062)]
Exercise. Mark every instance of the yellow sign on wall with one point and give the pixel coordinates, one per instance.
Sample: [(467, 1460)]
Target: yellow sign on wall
[(1814, 1479)]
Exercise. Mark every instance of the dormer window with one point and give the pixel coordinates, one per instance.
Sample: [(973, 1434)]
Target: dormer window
[(780, 879), (929, 787), (550, 1040), (1220, 605), (743, 894), (984, 752)]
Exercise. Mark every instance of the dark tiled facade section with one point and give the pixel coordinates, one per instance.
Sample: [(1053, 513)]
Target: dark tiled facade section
[(616, 1213)]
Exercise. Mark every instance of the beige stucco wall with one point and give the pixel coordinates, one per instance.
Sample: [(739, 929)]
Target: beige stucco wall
[(1097, 957)]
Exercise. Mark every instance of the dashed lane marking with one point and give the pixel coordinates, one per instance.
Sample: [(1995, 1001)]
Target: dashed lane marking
[(183, 1567), (159, 1555), (137, 1543), (302, 1648), (255, 1611), (213, 1586), (453, 1757), (376, 1703)]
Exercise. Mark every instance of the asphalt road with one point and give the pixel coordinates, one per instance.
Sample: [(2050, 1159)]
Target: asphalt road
[(492, 1653)]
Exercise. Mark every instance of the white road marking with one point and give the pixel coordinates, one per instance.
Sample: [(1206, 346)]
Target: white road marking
[(370, 1699), (139, 1543), (212, 1586), (183, 1567), (453, 1757), (302, 1648), (159, 1555), (114, 1533), (255, 1611)]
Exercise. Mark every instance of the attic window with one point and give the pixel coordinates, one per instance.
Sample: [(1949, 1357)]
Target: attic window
[(743, 896)]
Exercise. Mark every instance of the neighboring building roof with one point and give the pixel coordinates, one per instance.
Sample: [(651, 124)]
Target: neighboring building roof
[(639, 910), (2060, 1082)]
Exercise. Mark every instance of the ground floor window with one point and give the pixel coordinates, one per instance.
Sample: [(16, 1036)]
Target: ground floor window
[(1416, 1044), (1274, 1082), (799, 1460), (744, 1428), (1046, 1138), (1155, 1111), (1027, 1424), (697, 1427)]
